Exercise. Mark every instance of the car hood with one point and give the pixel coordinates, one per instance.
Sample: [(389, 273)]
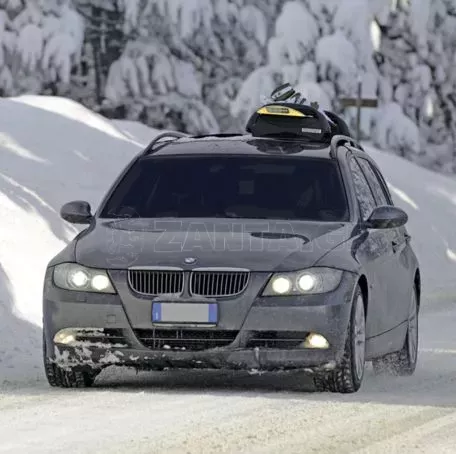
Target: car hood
[(256, 245)]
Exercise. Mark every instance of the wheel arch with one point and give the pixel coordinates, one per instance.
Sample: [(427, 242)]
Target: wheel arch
[(417, 284), (362, 282)]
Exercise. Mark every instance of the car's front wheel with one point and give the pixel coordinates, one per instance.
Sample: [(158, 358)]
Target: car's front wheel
[(68, 377), (349, 373), (403, 362)]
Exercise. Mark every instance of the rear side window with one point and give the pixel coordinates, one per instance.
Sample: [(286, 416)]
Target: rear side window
[(239, 187), (363, 192), (374, 183)]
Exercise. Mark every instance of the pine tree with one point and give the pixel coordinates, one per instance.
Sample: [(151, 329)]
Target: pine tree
[(290, 58), (49, 36), (154, 79), (441, 58), (417, 59), (241, 34), (104, 40), (185, 60), (321, 59), (8, 9)]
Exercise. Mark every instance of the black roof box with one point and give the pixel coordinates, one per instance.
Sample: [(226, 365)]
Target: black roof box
[(290, 120), (339, 127)]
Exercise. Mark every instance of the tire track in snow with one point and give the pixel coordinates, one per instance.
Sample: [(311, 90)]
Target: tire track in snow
[(322, 423), (435, 436), (95, 420), (336, 428)]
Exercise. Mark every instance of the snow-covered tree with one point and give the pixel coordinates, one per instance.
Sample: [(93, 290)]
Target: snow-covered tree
[(241, 33), (185, 60), (417, 59), (47, 45), (322, 59), (7, 43), (290, 58), (441, 60), (155, 79), (104, 40), (325, 59)]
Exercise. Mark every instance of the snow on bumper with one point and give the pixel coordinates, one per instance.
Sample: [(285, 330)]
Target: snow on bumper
[(327, 315), (257, 358)]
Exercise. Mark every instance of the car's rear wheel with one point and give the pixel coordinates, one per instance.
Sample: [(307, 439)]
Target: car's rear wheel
[(68, 377), (349, 373), (404, 361)]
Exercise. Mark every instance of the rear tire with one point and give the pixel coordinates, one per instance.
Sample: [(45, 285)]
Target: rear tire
[(349, 373), (402, 363), (66, 378)]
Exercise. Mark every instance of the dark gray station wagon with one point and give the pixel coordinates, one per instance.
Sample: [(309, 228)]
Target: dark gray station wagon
[(277, 249)]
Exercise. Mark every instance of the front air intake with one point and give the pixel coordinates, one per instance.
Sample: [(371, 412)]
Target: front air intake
[(218, 283), (156, 282)]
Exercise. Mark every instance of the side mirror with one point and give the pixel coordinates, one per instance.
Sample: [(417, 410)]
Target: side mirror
[(77, 212), (387, 217)]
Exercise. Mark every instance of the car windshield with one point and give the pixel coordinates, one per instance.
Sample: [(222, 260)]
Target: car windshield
[(241, 187)]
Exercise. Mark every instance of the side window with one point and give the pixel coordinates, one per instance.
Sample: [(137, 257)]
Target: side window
[(374, 183), (363, 193), (386, 190)]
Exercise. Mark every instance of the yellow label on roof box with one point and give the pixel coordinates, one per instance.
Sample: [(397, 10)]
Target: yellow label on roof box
[(280, 110)]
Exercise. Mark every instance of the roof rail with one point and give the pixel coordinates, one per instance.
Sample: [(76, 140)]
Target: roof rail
[(171, 134), (339, 140)]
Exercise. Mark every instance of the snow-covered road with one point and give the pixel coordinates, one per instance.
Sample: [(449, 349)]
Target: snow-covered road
[(220, 412)]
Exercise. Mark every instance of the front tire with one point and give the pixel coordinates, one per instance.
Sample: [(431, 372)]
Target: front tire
[(403, 362), (66, 378), (349, 373)]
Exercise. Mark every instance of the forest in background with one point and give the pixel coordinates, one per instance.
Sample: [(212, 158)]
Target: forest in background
[(202, 66)]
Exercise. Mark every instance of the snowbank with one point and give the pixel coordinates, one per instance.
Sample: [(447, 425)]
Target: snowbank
[(53, 150)]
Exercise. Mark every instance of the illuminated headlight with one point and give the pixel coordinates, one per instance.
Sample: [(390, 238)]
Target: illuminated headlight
[(306, 282), (282, 285), (71, 276)]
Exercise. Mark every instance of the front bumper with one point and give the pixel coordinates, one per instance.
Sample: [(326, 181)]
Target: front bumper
[(237, 359), (267, 336)]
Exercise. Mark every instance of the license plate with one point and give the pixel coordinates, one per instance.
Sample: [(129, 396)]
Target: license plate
[(201, 313)]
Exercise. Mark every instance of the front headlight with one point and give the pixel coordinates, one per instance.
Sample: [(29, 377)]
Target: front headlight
[(71, 276), (306, 282)]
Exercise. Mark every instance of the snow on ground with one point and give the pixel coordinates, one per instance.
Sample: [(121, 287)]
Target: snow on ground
[(136, 131), (52, 151)]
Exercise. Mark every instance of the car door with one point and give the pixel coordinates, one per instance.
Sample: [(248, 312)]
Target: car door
[(401, 277), (374, 251)]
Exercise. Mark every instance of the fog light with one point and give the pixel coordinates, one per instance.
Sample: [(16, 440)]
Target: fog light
[(316, 341), (65, 337)]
